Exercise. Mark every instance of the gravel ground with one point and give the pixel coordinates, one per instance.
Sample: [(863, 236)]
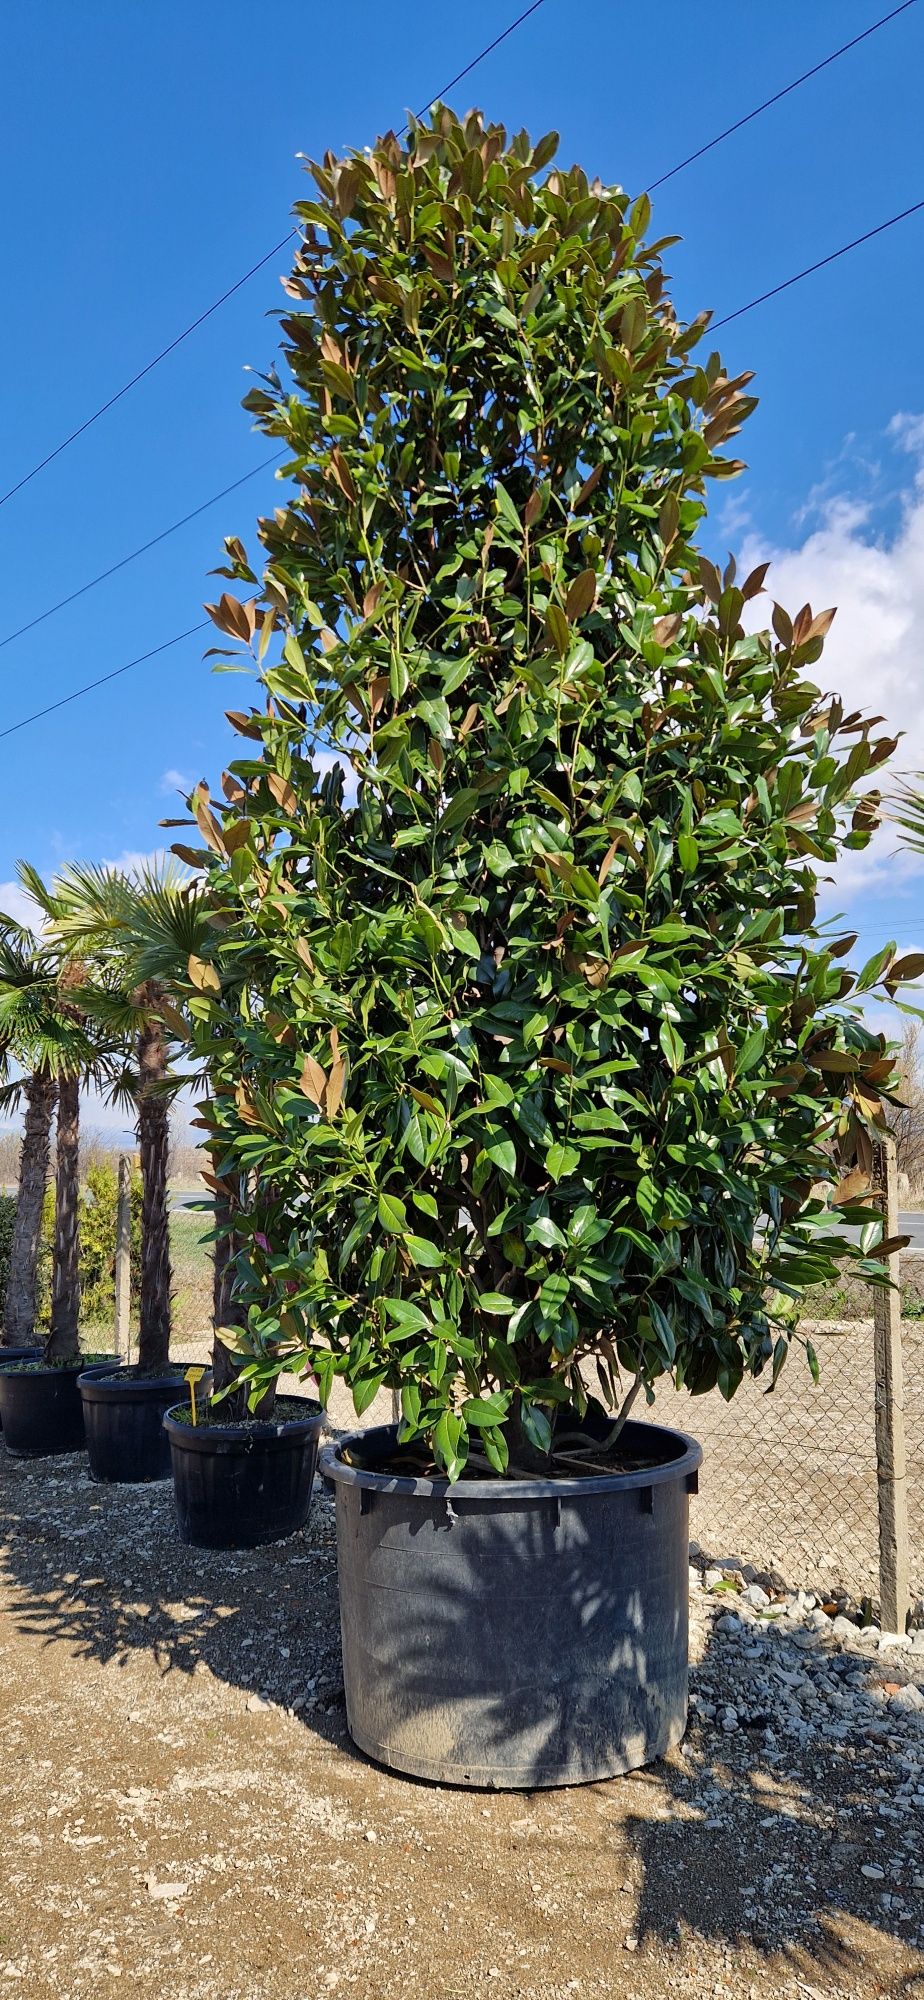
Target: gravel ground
[(181, 1808)]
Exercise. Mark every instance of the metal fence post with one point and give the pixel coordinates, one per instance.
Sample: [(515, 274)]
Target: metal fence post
[(123, 1258), (890, 1415)]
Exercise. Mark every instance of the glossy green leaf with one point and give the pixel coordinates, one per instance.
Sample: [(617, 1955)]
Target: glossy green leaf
[(392, 1212)]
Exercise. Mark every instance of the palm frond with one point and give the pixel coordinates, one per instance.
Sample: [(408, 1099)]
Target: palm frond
[(150, 923), (909, 818), (36, 887)]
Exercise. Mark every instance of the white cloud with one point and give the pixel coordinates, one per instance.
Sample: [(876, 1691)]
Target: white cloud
[(134, 862), (873, 656), (15, 903), (908, 430), (177, 781)]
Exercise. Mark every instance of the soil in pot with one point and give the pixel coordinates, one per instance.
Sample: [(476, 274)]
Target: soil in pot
[(515, 1633), (238, 1484), (40, 1406), (123, 1417)]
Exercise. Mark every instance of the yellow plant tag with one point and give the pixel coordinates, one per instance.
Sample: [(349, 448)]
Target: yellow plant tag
[(193, 1375)]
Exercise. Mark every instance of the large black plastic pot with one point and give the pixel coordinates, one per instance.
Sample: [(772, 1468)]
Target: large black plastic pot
[(41, 1410), (238, 1485), (123, 1419), (515, 1633)]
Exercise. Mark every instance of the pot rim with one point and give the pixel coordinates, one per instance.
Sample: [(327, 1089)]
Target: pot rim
[(331, 1467), (260, 1430), (83, 1367), (117, 1384)]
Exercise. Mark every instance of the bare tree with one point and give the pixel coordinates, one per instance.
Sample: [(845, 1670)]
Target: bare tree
[(907, 1119)]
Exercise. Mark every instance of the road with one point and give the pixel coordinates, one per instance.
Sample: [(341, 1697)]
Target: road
[(910, 1223), (910, 1220)]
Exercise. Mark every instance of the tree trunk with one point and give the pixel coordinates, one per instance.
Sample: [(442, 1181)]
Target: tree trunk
[(225, 1310), (63, 1342), (229, 1312), (19, 1306), (154, 1143), (524, 1455)]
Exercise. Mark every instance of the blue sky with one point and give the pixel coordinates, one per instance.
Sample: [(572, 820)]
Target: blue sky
[(149, 159)]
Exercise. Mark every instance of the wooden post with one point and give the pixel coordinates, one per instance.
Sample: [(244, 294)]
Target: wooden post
[(890, 1415), (123, 1259)]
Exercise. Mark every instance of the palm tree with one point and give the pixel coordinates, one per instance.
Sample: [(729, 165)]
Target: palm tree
[(142, 933), (44, 1040), (158, 928), (905, 809), (40, 1094)]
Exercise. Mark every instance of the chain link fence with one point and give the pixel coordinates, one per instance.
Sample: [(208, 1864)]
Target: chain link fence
[(789, 1482)]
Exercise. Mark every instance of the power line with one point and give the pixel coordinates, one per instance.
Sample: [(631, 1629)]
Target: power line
[(103, 678), (761, 299), (831, 258), (78, 692), (438, 95), (225, 296), (778, 95), (142, 372), (467, 71), (155, 540)]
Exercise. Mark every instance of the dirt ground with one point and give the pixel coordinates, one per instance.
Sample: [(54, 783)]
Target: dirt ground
[(182, 1812)]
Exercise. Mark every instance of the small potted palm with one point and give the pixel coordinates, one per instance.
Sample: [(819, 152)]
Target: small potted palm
[(533, 1052), (123, 1412), (123, 922), (242, 1461)]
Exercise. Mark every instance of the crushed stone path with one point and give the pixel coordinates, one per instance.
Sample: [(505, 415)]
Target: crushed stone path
[(182, 1813)]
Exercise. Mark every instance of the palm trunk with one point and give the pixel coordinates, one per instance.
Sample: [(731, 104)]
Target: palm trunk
[(63, 1341), (154, 1141), (19, 1306)]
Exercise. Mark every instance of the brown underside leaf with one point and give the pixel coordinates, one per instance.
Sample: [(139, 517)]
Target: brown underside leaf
[(313, 1081), (203, 974)]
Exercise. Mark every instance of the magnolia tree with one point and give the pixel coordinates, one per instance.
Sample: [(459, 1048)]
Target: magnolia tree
[(529, 1051)]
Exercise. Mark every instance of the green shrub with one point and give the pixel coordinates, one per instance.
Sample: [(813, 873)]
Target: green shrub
[(99, 1203), (7, 1220), (515, 1052)]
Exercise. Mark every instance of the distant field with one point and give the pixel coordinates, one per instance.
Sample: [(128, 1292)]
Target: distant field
[(191, 1261), (191, 1267)]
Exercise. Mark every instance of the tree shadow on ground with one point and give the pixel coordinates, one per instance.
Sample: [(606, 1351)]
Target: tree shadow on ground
[(759, 1859), (101, 1569), (763, 1849)]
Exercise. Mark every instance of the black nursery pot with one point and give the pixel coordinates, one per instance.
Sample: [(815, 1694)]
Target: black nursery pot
[(515, 1633), (40, 1408), (9, 1354), (238, 1485), (123, 1419)]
